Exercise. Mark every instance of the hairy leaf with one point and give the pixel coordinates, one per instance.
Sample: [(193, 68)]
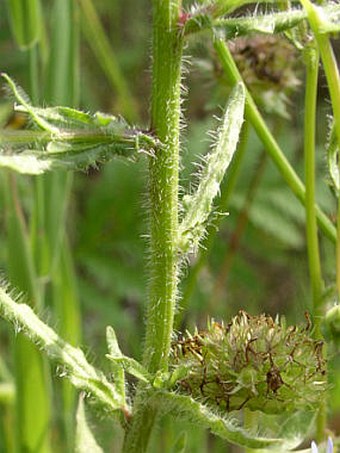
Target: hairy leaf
[(117, 368), (71, 360), (185, 408), (68, 139), (198, 206), (273, 22), (84, 441)]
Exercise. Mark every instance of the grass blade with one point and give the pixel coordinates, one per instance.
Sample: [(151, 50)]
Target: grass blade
[(25, 18)]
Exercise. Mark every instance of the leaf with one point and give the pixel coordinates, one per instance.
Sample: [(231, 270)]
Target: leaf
[(25, 17), (28, 164), (227, 427), (294, 428), (68, 139), (273, 22), (267, 23), (71, 360), (198, 207), (120, 361), (117, 368), (84, 439), (132, 367), (329, 18), (180, 443)]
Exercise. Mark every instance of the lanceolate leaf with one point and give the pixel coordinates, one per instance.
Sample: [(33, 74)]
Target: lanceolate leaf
[(68, 139), (71, 361), (274, 22), (85, 441), (117, 368), (132, 367), (198, 206), (121, 362), (25, 17), (226, 427)]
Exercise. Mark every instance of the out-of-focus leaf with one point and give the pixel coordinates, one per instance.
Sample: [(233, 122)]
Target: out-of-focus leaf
[(332, 160), (25, 18), (85, 441), (198, 206), (227, 427)]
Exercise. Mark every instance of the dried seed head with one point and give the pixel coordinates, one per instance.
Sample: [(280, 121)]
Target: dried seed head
[(252, 362), (268, 65)]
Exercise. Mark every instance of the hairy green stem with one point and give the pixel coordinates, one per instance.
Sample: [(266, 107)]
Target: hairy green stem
[(269, 142), (163, 184), (163, 198)]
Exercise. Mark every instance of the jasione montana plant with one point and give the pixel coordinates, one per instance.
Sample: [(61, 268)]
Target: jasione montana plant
[(220, 376)]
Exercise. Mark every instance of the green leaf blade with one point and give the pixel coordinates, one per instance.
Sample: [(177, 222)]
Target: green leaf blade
[(198, 206), (227, 427), (72, 360), (25, 18), (85, 441)]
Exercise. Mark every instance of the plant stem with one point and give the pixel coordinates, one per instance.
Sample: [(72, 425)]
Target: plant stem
[(312, 69), (163, 193), (269, 142), (32, 378), (63, 83), (163, 184), (312, 63), (333, 80)]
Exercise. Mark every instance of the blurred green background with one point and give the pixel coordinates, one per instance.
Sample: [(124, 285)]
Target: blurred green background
[(257, 261)]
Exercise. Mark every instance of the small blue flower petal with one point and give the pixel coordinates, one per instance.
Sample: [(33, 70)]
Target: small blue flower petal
[(329, 446), (329, 449)]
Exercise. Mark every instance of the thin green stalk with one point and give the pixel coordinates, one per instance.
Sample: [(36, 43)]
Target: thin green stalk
[(33, 398), (34, 73), (312, 62), (63, 89), (33, 412), (269, 142), (163, 198), (67, 309), (102, 49), (312, 69), (333, 81), (63, 66), (7, 402)]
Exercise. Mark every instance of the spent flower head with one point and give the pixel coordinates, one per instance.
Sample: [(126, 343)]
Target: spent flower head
[(268, 65), (253, 362)]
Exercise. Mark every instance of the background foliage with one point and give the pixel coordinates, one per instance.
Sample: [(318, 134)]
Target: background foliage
[(258, 260)]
